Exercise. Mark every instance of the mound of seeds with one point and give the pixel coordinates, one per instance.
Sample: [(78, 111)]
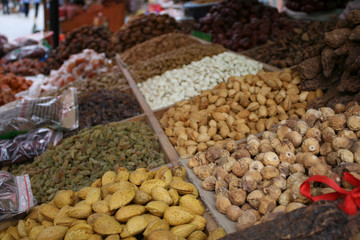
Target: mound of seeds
[(155, 46), (81, 159), (172, 60)]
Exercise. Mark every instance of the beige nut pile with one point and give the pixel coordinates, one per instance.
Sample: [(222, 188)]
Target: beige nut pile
[(241, 106), (256, 180), (159, 205)]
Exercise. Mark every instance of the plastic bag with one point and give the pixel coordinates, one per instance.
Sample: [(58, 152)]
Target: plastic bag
[(15, 195), (20, 116), (25, 147), (32, 51)]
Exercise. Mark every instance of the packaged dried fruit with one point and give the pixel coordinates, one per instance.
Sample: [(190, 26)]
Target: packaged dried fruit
[(15, 195), (25, 147), (59, 112)]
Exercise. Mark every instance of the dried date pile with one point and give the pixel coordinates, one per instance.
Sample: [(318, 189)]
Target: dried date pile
[(108, 81), (241, 25), (172, 60), (24, 67), (87, 37), (288, 50), (142, 28), (155, 46), (257, 179), (81, 159), (335, 65), (104, 106)]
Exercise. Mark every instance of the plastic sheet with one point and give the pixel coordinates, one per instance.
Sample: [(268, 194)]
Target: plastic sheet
[(25, 147), (15, 195), (32, 51), (59, 112)]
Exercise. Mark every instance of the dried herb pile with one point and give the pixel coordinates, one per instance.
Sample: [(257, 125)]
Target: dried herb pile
[(81, 159)]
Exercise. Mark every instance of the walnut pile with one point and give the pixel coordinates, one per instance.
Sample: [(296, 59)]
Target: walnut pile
[(260, 178), (241, 106), (335, 65)]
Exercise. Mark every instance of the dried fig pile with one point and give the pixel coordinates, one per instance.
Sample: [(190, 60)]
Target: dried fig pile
[(260, 178), (142, 28), (87, 37), (241, 25), (157, 205), (241, 106), (288, 51), (156, 46), (335, 65)]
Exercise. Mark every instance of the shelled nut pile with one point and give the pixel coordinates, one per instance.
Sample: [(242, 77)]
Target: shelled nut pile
[(190, 80), (156, 46), (264, 175), (172, 60), (82, 158), (114, 80), (142, 28), (236, 108), (156, 205)]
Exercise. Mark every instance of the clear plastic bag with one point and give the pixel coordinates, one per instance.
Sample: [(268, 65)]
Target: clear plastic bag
[(15, 195), (25, 147), (20, 116), (32, 51)]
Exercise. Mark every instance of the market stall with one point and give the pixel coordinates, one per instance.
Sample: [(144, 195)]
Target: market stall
[(151, 133)]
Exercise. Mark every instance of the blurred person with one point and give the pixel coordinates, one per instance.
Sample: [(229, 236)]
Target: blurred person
[(5, 6), (37, 3), (26, 7)]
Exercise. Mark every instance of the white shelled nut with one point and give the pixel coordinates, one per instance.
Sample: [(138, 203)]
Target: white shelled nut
[(188, 81)]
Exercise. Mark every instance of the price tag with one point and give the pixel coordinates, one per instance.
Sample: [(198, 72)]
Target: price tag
[(201, 35)]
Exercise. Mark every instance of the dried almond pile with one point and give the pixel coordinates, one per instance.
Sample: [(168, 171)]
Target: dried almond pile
[(241, 106)]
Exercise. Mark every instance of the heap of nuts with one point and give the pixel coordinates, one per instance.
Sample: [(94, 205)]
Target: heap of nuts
[(10, 84), (156, 46), (186, 82), (264, 175), (142, 28), (241, 106), (157, 205), (177, 58)]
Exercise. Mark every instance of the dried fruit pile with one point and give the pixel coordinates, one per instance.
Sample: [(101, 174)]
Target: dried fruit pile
[(10, 84), (86, 64), (114, 80), (156, 46), (121, 204), (334, 66), (142, 28), (310, 7), (289, 51), (87, 37), (240, 25), (235, 109), (23, 67), (82, 158), (161, 63), (102, 107), (264, 175)]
